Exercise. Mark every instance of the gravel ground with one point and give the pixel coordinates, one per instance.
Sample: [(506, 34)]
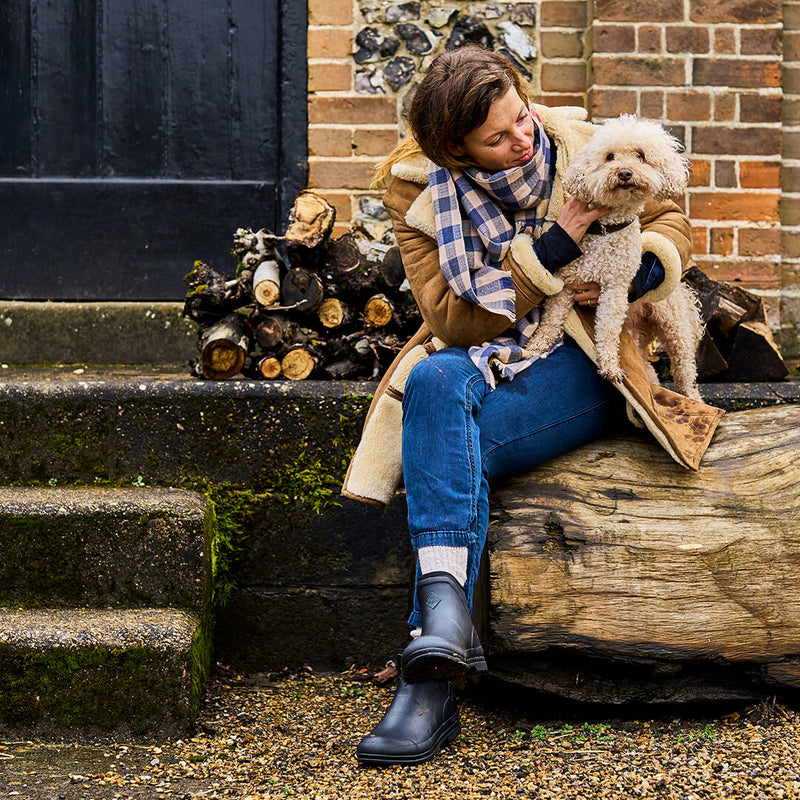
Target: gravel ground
[(273, 736)]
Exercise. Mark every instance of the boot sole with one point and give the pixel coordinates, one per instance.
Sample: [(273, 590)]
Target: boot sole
[(436, 664), (449, 730)]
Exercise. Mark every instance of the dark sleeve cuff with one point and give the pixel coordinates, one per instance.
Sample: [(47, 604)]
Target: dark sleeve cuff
[(650, 275), (555, 248)]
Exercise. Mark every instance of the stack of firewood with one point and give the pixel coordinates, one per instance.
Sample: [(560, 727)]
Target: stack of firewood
[(331, 308), (738, 345)]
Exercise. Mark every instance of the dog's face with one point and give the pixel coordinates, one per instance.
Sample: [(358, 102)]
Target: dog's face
[(626, 162)]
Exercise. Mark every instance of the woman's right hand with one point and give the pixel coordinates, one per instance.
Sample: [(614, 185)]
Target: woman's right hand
[(576, 216)]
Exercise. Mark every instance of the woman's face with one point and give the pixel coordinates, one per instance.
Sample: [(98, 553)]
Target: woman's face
[(505, 139)]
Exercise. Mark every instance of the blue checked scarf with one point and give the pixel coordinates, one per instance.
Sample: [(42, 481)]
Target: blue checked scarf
[(478, 214)]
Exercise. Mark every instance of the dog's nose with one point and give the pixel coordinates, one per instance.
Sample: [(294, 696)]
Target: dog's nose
[(625, 176)]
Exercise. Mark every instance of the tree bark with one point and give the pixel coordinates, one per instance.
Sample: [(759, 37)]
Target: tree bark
[(301, 290), (616, 560)]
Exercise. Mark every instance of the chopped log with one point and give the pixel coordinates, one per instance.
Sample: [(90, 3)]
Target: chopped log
[(224, 346), (299, 363), (310, 224), (754, 355), (710, 362), (392, 270), (267, 283), (269, 367), (301, 290), (333, 313), (378, 311), (615, 575), (339, 369), (273, 330)]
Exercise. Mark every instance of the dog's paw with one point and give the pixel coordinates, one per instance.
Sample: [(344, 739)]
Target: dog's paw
[(613, 374)]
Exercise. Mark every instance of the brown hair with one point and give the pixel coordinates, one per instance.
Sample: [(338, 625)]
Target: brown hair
[(451, 100)]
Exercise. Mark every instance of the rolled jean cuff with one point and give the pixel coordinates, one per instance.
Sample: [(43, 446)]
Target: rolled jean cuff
[(442, 538)]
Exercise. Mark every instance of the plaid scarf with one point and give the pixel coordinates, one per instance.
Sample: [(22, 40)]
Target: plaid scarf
[(478, 214)]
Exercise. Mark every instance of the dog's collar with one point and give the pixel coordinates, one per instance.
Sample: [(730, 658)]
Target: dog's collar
[(599, 229)]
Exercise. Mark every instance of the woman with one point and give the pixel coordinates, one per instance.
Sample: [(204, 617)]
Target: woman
[(482, 222)]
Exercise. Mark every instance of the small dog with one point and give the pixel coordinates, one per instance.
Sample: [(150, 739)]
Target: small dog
[(627, 162)]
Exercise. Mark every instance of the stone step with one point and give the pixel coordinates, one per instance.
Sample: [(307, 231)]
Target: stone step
[(88, 672), (104, 546)]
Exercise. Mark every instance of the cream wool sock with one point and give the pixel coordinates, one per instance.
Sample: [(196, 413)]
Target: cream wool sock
[(441, 558)]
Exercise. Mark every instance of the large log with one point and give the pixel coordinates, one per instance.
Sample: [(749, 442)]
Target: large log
[(616, 575)]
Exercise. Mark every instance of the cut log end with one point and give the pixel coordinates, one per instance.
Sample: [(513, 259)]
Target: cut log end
[(298, 364), (266, 293), (332, 312), (222, 360), (378, 311), (269, 367)]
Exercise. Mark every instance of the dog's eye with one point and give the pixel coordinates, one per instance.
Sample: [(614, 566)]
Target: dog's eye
[(610, 157), (640, 155)]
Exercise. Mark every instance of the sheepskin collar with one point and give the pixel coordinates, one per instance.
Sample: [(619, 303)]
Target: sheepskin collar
[(559, 123)]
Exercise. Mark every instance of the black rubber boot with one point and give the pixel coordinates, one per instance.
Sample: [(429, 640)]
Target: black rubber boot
[(421, 719), (448, 648)]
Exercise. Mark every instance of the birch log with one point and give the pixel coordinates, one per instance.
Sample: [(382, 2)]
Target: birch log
[(616, 575)]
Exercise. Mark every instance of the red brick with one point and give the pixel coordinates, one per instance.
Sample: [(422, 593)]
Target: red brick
[(759, 174), (701, 173), (371, 142), (721, 241), (724, 107), (330, 43), (790, 248), (791, 144), (329, 142), (790, 211), (347, 173), (638, 71), (639, 10), (750, 274), (554, 99), (563, 14), (650, 37), (791, 79), (759, 241), (736, 72), (613, 39), (790, 110), (765, 42), (352, 110), (688, 106), (750, 207), (725, 42), (736, 11), (330, 77), (569, 77), (725, 174), (699, 239), (688, 39), (652, 104), (737, 141), (791, 45), (790, 178), (330, 12), (760, 108), (559, 44), (611, 103)]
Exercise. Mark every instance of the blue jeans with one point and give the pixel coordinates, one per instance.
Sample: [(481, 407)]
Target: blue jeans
[(458, 435)]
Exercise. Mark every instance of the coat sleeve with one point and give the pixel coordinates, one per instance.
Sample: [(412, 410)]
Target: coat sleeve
[(457, 322)]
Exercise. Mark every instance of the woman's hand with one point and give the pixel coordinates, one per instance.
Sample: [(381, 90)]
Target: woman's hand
[(576, 216), (586, 294)]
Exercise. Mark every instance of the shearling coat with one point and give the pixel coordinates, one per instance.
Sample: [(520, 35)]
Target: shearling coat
[(684, 427)]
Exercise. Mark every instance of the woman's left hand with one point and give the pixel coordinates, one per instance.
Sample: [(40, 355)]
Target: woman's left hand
[(586, 294)]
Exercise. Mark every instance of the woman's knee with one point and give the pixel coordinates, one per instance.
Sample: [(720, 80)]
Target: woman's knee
[(444, 373)]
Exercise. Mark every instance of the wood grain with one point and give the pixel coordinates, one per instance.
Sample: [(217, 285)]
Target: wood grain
[(615, 551)]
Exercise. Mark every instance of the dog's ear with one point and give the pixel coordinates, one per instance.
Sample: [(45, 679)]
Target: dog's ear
[(674, 168), (574, 178)]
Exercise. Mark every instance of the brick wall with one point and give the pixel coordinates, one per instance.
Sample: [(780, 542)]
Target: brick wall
[(723, 75)]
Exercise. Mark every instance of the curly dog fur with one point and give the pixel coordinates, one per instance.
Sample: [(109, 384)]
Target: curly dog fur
[(627, 162)]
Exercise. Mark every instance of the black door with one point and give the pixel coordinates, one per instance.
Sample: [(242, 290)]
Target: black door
[(137, 135)]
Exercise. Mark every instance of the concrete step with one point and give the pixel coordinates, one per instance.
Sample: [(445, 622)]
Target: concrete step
[(103, 546), (79, 673)]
